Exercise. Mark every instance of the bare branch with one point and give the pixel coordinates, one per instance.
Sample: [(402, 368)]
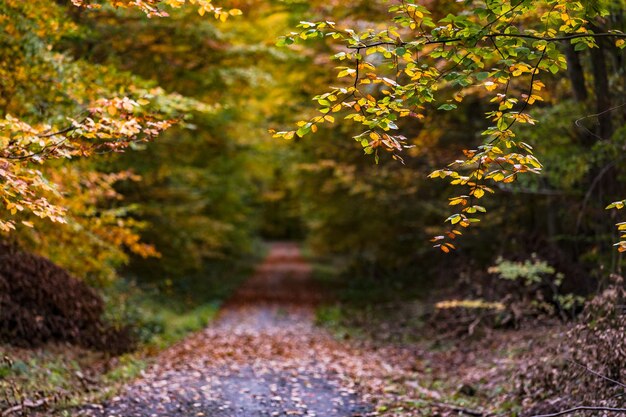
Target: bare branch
[(597, 373), (583, 408)]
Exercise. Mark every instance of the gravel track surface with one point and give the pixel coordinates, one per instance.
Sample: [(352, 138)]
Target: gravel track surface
[(263, 356)]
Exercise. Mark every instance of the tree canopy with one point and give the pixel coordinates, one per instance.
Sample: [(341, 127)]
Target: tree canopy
[(425, 60), (473, 93)]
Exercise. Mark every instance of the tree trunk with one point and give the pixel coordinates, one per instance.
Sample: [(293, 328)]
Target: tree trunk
[(575, 72), (603, 95)]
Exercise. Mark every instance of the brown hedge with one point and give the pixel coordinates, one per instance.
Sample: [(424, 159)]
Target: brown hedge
[(40, 302)]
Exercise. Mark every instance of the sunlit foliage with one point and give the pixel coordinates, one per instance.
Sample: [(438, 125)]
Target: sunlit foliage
[(57, 107), (422, 60)]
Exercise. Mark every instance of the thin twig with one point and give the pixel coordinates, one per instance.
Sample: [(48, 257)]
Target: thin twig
[(583, 408), (588, 194), (52, 146), (469, 412), (598, 374), (24, 406), (577, 121)]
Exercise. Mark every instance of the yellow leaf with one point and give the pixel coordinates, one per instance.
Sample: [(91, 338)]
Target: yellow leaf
[(509, 179), (490, 85), (498, 177)]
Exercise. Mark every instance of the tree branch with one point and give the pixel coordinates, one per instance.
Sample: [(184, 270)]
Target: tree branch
[(583, 408), (24, 406), (458, 409), (606, 378), (496, 35)]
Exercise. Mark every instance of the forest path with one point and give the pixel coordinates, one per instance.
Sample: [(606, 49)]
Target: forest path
[(263, 356)]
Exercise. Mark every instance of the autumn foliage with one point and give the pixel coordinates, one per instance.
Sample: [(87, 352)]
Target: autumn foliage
[(468, 154)]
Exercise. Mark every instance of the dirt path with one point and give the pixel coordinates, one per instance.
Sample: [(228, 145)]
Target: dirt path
[(262, 357)]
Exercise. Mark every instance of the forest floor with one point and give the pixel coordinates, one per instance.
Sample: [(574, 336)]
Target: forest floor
[(284, 345), (265, 356)]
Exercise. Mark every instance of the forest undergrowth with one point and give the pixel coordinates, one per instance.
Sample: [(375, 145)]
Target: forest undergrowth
[(509, 357), (450, 355)]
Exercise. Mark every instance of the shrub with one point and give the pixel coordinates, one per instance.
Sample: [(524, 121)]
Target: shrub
[(589, 362), (41, 302)]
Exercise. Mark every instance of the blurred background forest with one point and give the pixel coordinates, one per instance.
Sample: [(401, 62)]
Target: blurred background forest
[(163, 232)]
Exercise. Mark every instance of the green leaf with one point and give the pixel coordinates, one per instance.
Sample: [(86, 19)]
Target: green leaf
[(447, 107)]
